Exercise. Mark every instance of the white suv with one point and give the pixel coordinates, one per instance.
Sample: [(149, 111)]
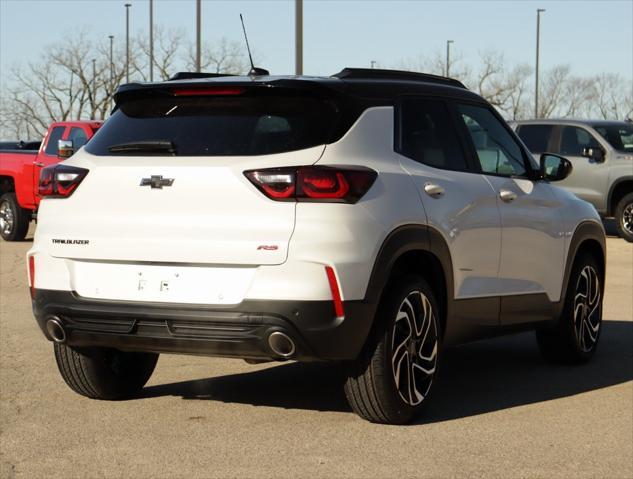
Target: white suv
[(371, 217)]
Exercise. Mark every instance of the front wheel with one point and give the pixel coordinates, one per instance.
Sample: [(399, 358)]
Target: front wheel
[(392, 379), (575, 337), (104, 373), (624, 217)]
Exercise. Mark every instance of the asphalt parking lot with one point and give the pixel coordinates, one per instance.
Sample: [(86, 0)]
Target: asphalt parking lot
[(498, 410)]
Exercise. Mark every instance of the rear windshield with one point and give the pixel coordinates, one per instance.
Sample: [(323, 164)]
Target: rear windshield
[(216, 125), (619, 136)]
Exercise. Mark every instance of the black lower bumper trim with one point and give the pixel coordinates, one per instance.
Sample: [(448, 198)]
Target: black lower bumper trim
[(238, 331)]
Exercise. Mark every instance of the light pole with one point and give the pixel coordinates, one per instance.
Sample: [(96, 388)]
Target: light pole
[(151, 40), (111, 37), (448, 56), (94, 87), (198, 42), (127, 42), (111, 87), (538, 42), (298, 37)]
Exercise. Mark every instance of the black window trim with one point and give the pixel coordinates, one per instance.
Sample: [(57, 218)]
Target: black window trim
[(397, 143), (531, 174)]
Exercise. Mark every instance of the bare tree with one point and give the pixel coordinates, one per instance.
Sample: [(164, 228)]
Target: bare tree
[(222, 57), (167, 52), (610, 97)]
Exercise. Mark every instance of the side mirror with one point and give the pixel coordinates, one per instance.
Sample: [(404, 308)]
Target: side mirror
[(554, 167), (594, 153), (65, 149)]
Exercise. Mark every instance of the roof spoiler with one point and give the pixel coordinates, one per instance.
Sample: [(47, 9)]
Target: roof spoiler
[(195, 75), (378, 74)]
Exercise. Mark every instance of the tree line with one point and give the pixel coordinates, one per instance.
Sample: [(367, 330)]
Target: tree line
[(76, 79)]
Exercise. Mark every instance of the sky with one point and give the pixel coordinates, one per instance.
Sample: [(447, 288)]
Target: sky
[(592, 36)]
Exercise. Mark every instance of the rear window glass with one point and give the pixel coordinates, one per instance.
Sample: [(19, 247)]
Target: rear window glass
[(216, 126)]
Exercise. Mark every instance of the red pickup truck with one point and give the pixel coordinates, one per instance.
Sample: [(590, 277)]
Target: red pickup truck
[(20, 172)]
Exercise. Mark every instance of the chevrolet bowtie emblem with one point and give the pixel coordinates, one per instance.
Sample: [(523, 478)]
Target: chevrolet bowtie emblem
[(157, 181)]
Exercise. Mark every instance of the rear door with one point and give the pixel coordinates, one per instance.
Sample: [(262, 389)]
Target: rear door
[(590, 178), (459, 203)]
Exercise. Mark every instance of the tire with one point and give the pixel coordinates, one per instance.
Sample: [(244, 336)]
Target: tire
[(104, 373), (14, 220), (377, 388), (624, 217), (575, 337)]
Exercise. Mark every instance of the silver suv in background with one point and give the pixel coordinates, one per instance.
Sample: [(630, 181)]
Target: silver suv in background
[(601, 152)]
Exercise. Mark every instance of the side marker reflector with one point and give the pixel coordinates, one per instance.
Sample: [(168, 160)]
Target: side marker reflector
[(336, 292)]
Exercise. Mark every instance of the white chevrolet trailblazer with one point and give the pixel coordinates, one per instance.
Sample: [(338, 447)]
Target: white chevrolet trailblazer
[(372, 217)]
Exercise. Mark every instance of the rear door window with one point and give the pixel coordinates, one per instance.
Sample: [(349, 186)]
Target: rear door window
[(78, 137), (427, 134), (238, 125), (536, 137)]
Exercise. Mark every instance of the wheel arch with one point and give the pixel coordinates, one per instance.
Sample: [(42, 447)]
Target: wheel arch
[(414, 249), (617, 191), (587, 238), (7, 184)]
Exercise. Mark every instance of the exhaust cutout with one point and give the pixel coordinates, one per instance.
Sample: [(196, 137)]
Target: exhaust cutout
[(281, 344), (56, 330)]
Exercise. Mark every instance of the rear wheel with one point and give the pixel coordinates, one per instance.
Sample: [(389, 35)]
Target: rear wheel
[(104, 373), (624, 217), (575, 337), (392, 379), (14, 220)]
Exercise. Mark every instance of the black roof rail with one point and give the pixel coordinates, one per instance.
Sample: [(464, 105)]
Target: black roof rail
[(193, 75), (379, 74)]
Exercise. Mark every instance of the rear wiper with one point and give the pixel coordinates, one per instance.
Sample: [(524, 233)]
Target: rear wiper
[(151, 146)]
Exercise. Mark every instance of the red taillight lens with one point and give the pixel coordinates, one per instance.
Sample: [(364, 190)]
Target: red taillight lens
[(32, 276), (313, 183), (60, 181), (208, 91)]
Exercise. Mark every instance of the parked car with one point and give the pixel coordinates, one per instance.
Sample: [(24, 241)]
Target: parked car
[(602, 154), (371, 217), (20, 166)]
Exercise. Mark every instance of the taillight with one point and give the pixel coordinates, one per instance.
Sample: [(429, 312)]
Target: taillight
[(313, 183), (60, 181), (32, 276)]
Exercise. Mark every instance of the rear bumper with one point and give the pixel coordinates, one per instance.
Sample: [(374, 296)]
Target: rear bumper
[(240, 331)]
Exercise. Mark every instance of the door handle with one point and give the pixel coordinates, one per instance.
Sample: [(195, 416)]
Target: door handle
[(507, 196), (433, 190), (38, 163)]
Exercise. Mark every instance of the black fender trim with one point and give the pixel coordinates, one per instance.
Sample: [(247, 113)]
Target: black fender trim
[(616, 183), (400, 241), (585, 231)]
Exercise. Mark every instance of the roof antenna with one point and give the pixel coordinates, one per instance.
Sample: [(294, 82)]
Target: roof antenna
[(255, 71)]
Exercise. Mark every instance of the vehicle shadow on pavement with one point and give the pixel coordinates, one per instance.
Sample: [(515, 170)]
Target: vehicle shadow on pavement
[(476, 378)]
